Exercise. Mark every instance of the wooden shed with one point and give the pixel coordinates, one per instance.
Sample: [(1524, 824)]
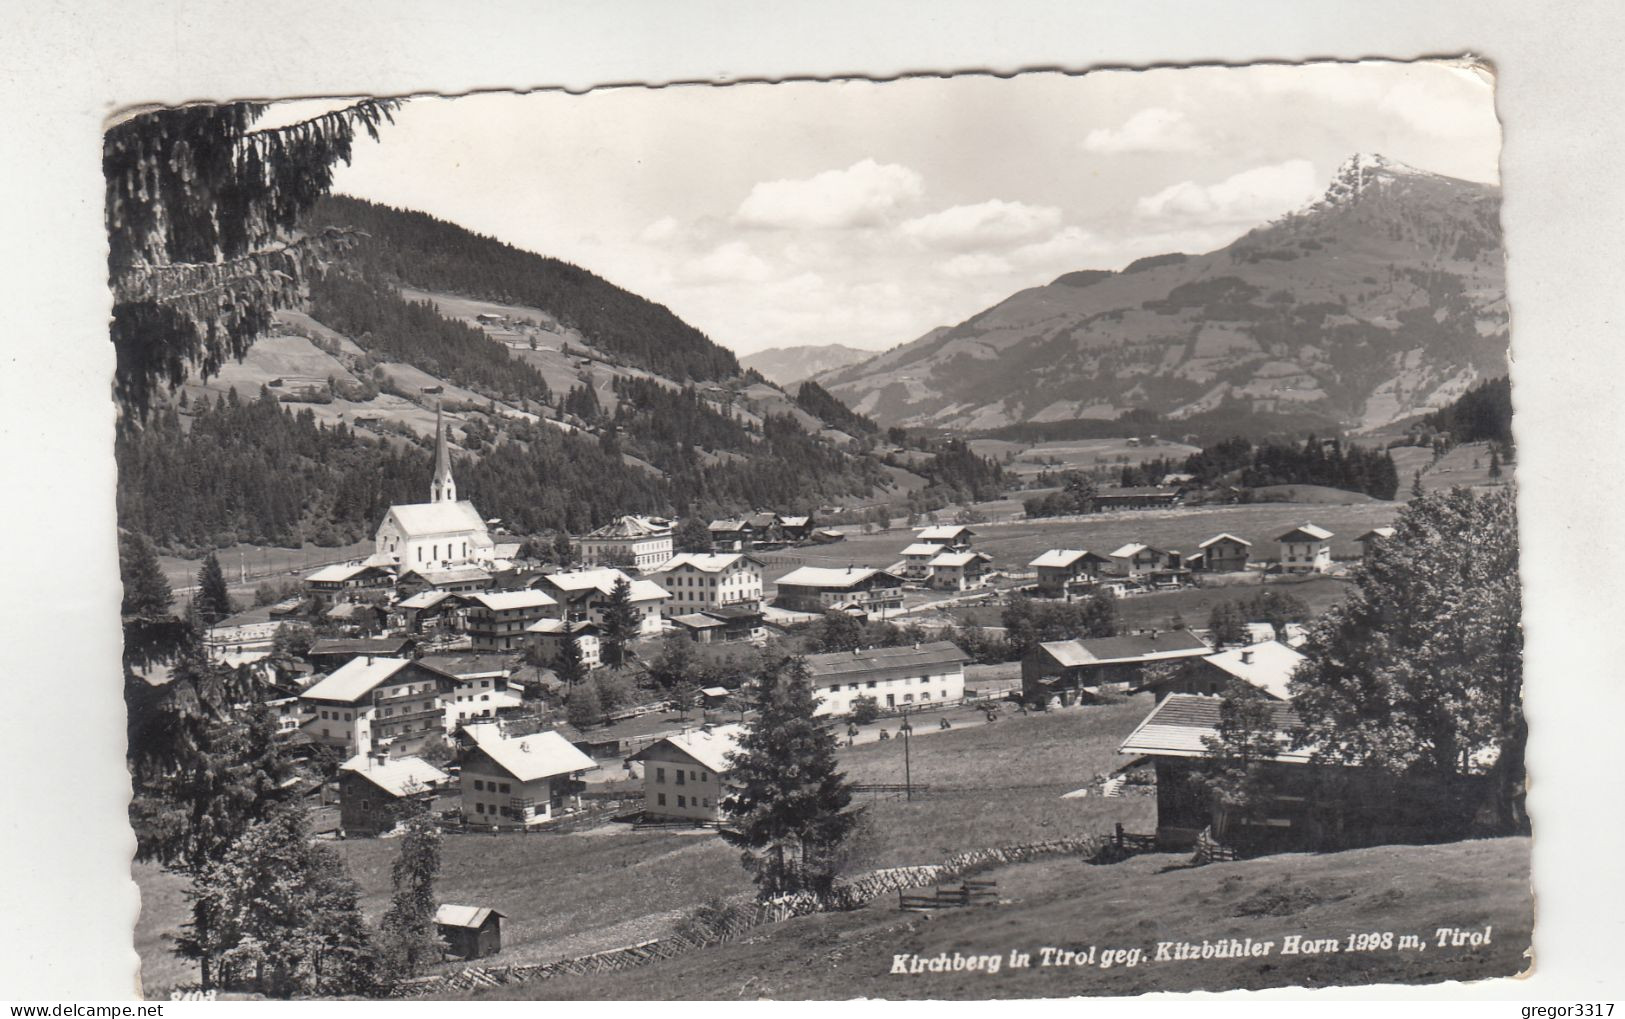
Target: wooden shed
[(470, 932)]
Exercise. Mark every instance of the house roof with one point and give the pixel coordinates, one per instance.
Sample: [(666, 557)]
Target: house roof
[(465, 916), (923, 548), (842, 663), (1137, 492), (387, 646), (764, 519), (796, 521), (350, 609), (455, 575), (1267, 666), (1177, 726), (1061, 557), (1225, 537), (538, 755), (421, 519), (715, 691), (728, 525), (340, 572), (398, 776), (632, 526), (697, 621), (705, 562), (833, 577), (464, 666), (1307, 532), (1133, 648), (959, 558), (709, 747), (1133, 548), (583, 628), (944, 532), (1376, 532), (426, 599), (356, 678), (502, 601)]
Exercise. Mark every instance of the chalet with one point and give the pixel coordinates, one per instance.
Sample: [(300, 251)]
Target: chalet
[(1370, 540), (685, 777), (699, 582), (766, 529), (522, 781), (357, 618), (1062, 569), (798, 529), (1136, 560), (640, 542), (457, 580), (330, 653), (376, 789), (497, 620), (955, 536), (548, 636), (820, 589), (349, 578), (1266, 667), (917, 560), (922, 675), (1306, 549), (1135, 498), (731, 535), (724, 624), (583, 594), (433, 610), (1073, 670), (482, 688), (1224, 553), (470, 932), (959, 571), (393, 704), (827, 536)]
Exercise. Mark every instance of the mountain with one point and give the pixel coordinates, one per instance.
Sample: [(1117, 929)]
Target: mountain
[(787, 366), (1384, 298)]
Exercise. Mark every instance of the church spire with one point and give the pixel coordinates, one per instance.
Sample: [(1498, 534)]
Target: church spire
[(442, 488)]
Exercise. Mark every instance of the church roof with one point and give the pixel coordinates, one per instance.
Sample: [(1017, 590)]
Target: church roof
[(424, 518)]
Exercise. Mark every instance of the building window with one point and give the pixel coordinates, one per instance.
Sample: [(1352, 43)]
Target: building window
[(680, 776), (503, 788), (479, 808), (660, 799), (681, 802), (479, 785)]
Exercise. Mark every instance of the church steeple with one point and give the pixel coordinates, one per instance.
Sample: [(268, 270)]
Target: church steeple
[(442, 488)]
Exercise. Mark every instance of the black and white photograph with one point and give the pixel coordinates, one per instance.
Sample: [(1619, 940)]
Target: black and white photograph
[(546, 521)]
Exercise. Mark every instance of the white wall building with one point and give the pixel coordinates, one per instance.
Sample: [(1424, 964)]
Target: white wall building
[(924, 675), (685, 777), (697, 581)]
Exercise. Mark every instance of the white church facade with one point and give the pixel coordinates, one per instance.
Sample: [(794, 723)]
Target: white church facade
[(440, 533)]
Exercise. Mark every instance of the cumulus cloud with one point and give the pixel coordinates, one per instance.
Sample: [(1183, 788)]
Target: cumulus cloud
[(660, 231), (994, 223), (864, 194), (1153, 129), (1251, 196), (733, 262)]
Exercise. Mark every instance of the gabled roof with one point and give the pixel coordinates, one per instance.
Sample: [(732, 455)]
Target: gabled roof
[(841, 663), (728, 525), (705, 562), (764, 519), (1137, 492), (1376, 532), (796, 521), (584, 628), (468, 664), (473, 917), (538, 755), (1132, 648), (455, 575), (427, 599), (1176, 727), (1134, 548), (1267, 666), (944, 532), (503, 601), (341, 572), (708, 747), (421, 519), (923, 548), (959, 558), (833, 577), (698, 621), (632, 526), (386, 646), (398, 776), (1308, 532), (1225, 537), (356, 678), (1063, 557)]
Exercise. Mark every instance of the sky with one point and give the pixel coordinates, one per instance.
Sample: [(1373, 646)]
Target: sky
[(868, 213)]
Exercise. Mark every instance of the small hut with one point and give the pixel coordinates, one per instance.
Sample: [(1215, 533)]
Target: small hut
[(470, 932)]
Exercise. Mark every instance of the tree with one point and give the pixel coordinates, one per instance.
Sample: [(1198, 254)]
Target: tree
[(675, 664), (568, 663), (201, 210), (582, 705), (692, 535), (865, 709), (146, 593), (1495, 462), (1233, 773), (1226, 624), (620, 622), (1276, 608), (408, 939), (1419, 671), (283, 915), (1416, 485), (790, 810), (838, 631), (213, 597), (684, 698), (615, 691)]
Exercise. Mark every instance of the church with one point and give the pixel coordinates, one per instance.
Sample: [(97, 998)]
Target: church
[(437, 534)]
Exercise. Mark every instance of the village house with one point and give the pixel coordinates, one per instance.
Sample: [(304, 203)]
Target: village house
[(1070, 671), (582, 595), (496, 620), (521, 781), (858, 589), (916, 562), (1266, 667), (921, 675), (433, 611), (456, 580), (443, 532), (1223, 553), (375, 790), (548, 636), (482, 688), (700, 581), (959, 571), (955, 536), (1137, 560), (640, 542), (1060, 570), (1372, 539), (797, 529), (766, 529), (685, 777), (1135, 498), (329, 653), (384, 703), (337, 581), (731, 535), (726, 624), (1306, 549), (470, 932)]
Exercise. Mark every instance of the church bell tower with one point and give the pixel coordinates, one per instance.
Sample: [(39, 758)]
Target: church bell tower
[(442, 488)]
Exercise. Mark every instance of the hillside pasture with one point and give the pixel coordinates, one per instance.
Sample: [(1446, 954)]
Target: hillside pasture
[(1088, 454)]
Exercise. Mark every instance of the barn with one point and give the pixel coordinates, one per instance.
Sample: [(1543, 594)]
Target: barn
[(470, 932)]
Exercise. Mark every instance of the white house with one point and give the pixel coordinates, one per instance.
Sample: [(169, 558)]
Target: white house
[(922, 675), (958, 571), (1136, 559), (856, 588), (521, 781), (641, 542), (582, 595), (496, 620), (686, 776), (917, 560), (482, 686), (384, 703), (699, 581), (1060, 569), (956, 536), (1306, 549), (1372, 539), (547, 636), (443, 532)]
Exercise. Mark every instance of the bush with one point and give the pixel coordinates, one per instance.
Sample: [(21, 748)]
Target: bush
[(865, 710)]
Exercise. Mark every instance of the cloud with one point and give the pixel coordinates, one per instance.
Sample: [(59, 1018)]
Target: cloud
[(994, 223), (1153, 129), (864, 194), (1251, 196), (974, 265), (1066, 248), (660, 231), (733, 262)]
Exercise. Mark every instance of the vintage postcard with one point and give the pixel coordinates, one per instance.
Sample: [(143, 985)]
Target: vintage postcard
[(547, 521)]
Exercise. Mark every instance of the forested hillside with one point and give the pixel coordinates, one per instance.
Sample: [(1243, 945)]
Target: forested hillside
[(422, 251)]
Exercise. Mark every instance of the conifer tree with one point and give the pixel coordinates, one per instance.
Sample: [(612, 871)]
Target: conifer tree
[(790, 811), (146, 593), (620, 622), (567, 662), (1495, 462), (408, 940)]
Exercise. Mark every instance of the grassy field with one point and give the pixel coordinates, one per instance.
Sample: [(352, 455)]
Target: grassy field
[(1069, 904)]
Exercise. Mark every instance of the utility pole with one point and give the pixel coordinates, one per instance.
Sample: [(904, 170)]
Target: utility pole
[(908, 778)]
